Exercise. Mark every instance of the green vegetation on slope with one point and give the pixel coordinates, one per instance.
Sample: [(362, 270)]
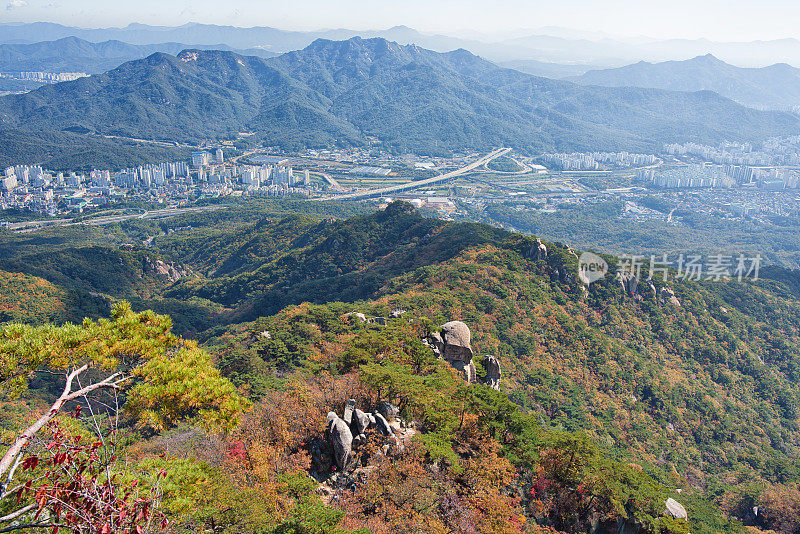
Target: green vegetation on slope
[(344, 92), (702, 396)]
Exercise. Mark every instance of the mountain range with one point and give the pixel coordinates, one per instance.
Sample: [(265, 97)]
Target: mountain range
[(552, 45), (773, 87), (71, 54), (407, 97)]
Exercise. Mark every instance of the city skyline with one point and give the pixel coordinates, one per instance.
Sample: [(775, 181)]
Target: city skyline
[(682, 19)]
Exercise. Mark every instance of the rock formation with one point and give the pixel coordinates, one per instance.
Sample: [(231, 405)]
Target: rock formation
[(668, 295), (653, 289), (360, 422), (388, 410), (453, 345), (628, 282), (171, 271), (383, 425), (358, 315), (675, 509), (348, 411), (340, 439), (364, 319), (346, 434), (456, 337), (538, 250), (493, 372)]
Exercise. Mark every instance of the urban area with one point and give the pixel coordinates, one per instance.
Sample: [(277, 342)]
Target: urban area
[(737, 179)]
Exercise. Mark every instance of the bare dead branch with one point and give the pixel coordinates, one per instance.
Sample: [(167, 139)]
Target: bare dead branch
[(10, 458), (14, 515), (32, 525)]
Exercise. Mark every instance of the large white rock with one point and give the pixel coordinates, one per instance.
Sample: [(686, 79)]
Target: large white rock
[(675, 509), (457, 340)]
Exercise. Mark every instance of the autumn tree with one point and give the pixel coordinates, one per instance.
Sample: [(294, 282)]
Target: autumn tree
[(72, 478)]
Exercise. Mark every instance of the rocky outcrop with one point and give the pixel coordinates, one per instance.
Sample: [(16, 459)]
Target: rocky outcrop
[(628, 282), (171, 271), (364, 319), (340, 439), (360, 422), (457, 338), (453, 345), (675, 509), (383, 425), (388, 410), (493, 372), (668, 295), (347, 417), (538, 250), (335, 453)]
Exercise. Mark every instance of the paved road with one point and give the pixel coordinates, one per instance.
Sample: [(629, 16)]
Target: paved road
[(97, 221), (381, 191)]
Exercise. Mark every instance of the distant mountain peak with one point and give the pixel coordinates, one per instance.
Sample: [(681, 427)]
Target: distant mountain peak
[(708, 59), (775, 87), (372, 46)]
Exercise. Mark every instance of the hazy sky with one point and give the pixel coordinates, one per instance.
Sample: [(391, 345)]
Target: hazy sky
[(732, 20)]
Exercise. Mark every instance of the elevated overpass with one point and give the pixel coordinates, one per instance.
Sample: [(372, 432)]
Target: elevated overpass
[(383, 191)]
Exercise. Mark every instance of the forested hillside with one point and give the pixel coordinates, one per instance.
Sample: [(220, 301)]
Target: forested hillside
[(346, 92), (611, 400)]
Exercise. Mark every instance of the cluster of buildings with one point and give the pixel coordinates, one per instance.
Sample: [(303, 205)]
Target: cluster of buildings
[(709, 175), (690, 176), (33, 188), (46, 77), (264, 180), (373, 158), (592, 161), (774, 151)]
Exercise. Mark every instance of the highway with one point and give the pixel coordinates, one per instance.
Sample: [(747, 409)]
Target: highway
[(382, 191), (97, 221)]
